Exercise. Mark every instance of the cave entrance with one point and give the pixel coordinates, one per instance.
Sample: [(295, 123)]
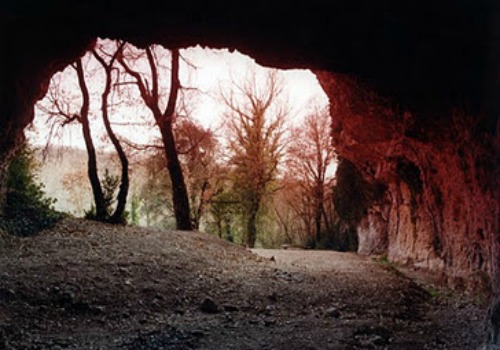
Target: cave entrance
[(219, 96), (396, 49)]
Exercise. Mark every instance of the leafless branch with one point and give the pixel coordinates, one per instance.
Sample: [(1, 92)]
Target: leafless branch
[(140, 147)]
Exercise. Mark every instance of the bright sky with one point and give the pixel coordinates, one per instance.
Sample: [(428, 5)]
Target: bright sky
[(216, 69)]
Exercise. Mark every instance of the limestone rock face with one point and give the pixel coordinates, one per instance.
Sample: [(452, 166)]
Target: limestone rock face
[(440, 209)]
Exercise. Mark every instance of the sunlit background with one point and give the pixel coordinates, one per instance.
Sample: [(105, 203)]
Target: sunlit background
[(208, 79), (204, 72)]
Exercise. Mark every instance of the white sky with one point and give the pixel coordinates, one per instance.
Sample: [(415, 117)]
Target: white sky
[(216, 69)]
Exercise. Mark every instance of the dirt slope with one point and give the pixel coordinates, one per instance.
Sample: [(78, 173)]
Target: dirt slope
[(85, 285)]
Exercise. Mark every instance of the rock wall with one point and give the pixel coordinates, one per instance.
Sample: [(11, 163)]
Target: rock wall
[(440, 208)]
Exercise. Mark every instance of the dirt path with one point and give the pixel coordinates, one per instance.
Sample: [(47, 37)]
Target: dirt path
[(85, 285)]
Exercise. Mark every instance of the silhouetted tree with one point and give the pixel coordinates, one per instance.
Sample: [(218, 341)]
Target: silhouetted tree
[(164, 119), (62, 106), (83, 118), (118, 214)]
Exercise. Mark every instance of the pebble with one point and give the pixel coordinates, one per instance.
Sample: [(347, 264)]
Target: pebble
[(332, 312), (209, 306), (269, 322), (230, 308)]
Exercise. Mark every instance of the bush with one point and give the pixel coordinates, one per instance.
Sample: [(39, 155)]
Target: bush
[(27, 210), (135, 207), (109, 187)]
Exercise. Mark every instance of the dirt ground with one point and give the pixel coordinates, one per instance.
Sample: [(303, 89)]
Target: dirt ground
[(85, 285)]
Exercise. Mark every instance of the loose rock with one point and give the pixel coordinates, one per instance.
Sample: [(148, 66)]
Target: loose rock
[(209, 306)]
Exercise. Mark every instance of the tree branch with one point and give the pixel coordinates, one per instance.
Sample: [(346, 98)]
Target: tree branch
[(174, 86), (154, 73)]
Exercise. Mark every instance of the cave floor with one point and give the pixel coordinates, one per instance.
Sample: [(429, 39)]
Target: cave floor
[(85, 285)]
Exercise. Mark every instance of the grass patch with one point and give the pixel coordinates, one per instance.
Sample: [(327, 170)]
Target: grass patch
[(433, 292), (383, 260)]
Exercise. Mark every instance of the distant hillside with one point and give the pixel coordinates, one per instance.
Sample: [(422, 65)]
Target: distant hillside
[(63, 171)]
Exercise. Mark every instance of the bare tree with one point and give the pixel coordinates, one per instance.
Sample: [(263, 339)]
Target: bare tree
[(198, 148), (292, 211), (164, 120), (100, 54), (83, 118), (61, 111), (310, 159), (255, 124)]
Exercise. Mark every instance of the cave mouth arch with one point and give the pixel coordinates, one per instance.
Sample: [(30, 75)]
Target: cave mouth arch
[(427, 58)]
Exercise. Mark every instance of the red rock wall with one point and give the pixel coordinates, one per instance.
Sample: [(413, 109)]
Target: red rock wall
[(440, 208)]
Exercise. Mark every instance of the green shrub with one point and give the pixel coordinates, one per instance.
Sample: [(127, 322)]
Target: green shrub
[(135, 207), (109, 186), (90, 214), (27, 210)]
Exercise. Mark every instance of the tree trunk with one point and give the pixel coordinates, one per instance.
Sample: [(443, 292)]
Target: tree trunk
[(219, 227), (229, 236), (252, 226), (201, 206), (164, 122), (117, 216), (318, 210), (179, 191), (326, 219), (95, 183)]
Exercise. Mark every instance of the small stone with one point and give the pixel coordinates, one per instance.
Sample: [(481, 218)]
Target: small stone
[(66, 297), (332, 312), (269, 309), (209, 306), (230, 308), (98, 309), (198, 333), (179, 311), (273, 297), (269, 322)]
